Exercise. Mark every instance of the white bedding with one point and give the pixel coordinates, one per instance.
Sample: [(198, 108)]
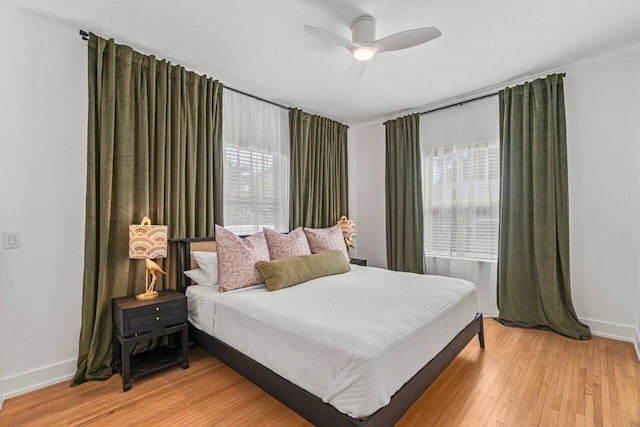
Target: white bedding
[(351, 339)]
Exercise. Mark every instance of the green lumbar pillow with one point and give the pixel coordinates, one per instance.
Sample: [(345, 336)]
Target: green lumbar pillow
[(285, 272)]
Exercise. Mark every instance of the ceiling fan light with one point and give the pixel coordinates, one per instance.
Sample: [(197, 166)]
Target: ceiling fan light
[(364, 53)]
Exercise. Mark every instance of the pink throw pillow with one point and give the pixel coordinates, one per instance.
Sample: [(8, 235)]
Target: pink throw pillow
[(286, 245), (326, 239), (237, 259)]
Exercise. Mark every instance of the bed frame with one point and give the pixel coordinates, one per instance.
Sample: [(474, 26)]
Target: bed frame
[(301, 401)]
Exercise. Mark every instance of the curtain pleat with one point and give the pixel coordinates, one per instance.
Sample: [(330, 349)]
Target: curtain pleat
[(534, 287), (403, 182), (319, 189), (154, 148)]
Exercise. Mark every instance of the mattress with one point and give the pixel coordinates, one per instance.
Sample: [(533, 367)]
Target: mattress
[(352, 339)]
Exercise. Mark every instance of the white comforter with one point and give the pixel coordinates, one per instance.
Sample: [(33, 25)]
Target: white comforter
[(351, 339)]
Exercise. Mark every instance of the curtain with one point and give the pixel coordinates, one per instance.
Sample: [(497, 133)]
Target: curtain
[(533, 255), (319, 192), (403, 182), (255, 136), (154, 137), (461, 181)]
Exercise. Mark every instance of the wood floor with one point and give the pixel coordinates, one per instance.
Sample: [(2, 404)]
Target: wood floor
[(523, 378)]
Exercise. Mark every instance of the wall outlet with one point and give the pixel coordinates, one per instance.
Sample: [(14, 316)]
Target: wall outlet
[(11, 240)]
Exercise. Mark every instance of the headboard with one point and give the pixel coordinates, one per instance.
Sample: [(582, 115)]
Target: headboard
[(185, 261)]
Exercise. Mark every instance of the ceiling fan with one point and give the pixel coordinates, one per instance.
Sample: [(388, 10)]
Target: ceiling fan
[(364, 46)]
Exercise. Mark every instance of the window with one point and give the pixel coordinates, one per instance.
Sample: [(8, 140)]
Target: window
[(461, 203), (256, 164), (461, 180), (256, 191)]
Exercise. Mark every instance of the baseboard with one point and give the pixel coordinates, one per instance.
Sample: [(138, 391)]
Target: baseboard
[(38, 378), (489, 314), (612, 330), (608, 330)]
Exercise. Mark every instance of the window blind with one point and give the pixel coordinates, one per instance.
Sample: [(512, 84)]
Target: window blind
[(461, 203), (256, 190)]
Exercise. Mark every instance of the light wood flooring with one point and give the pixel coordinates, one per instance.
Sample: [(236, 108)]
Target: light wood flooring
[(522, 378)]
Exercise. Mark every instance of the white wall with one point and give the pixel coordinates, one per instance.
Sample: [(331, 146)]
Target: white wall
[(603, 130), (43, 110), (603, 127), (368, 163)]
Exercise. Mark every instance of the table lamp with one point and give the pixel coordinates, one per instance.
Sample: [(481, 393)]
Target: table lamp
[(348, 227), (148, 242)]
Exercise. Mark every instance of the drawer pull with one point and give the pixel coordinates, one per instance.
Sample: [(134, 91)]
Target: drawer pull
[(157, 317), (157, 308)]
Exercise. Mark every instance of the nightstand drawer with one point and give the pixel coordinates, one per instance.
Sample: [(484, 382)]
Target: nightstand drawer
[(131, 317), (157, 316)]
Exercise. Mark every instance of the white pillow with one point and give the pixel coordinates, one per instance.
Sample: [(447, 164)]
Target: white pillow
[(208, 263), (197, 275)]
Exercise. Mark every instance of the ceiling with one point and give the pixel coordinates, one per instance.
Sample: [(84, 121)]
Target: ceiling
[(259, 46)]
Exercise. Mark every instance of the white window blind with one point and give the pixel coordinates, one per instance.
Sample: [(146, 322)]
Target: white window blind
[(461, 180), (256, 164)]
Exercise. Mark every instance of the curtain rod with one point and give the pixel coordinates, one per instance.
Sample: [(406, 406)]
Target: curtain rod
[(256, 97), (457, 104), (85, 36)]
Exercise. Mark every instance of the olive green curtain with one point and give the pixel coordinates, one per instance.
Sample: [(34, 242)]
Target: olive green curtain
[(319, 188), (403, 182), (154, 148), (533, 255)]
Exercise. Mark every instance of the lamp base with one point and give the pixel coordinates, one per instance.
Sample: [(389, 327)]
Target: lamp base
[(147, 295)]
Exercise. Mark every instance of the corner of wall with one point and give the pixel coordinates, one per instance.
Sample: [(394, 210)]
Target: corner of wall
[(614, 331), (1, 393)]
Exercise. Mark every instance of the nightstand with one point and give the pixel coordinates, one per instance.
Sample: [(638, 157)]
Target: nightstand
[(136, 321), (359, 261)]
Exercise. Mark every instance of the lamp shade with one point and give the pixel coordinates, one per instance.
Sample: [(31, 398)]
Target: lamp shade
[(147, 241), (348, 227)]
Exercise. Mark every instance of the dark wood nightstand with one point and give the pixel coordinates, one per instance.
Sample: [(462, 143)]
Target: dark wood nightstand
[(359, 261), (135, 321)]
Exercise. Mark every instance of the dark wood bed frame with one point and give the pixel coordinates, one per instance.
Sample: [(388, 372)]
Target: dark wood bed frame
[(301, 401)]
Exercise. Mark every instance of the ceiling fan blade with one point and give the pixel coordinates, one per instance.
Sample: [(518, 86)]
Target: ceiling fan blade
[(356, 72), (330, 37), (406, 39)]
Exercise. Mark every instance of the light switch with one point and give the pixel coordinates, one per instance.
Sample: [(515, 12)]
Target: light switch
[(11, 240)]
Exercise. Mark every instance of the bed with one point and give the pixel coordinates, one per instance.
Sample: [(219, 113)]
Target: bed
[(327, 348)]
